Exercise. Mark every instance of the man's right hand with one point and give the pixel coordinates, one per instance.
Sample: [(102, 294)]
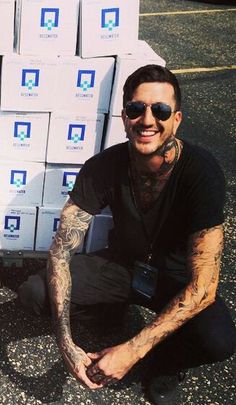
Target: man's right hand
[(77, 361)]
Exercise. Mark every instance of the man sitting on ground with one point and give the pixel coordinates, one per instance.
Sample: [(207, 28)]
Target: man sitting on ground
[(166, 197)]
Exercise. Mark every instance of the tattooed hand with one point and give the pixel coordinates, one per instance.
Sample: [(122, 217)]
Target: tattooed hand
[(77, 362), (111, 364)]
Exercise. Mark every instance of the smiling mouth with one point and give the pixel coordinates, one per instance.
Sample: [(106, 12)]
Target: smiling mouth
[(146, 134)]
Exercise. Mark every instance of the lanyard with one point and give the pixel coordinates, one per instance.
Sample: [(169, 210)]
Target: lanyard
[(154, 239), (150, 242)]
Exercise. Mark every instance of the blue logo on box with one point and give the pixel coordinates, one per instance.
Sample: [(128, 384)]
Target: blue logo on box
[(76, 132), (22, 130), (30, 78), (18, 178), (110, 18), (86, 79), (12, 223), (49, 18), (69, 180), (56, 222)]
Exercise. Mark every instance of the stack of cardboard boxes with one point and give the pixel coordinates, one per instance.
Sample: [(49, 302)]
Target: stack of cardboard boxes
[(60, 82)]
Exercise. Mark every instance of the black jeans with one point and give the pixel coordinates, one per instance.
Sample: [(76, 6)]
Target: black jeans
[(101, 291)]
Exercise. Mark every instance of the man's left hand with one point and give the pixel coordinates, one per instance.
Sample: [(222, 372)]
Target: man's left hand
[(111, 364)]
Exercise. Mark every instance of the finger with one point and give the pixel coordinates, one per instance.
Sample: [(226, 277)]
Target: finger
[(93, 370), (87, 361), (78, 370), (94, 356), (103, 380), (98, 378), (92, 385), (109, 380)]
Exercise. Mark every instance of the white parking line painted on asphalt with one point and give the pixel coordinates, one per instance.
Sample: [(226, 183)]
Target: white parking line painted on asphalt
[(203, 69), (187, 12)]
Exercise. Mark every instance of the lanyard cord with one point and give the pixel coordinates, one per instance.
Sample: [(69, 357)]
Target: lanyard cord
[(154, 239), (150, 242)]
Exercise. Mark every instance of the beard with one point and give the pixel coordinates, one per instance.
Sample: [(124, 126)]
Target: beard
[(160, 150)]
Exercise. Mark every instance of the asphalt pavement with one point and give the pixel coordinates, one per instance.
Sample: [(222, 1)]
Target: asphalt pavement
[(197, 40)]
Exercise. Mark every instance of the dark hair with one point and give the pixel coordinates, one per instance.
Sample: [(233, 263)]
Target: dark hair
[(149, 74)]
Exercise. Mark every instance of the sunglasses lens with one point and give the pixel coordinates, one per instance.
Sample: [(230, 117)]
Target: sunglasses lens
[(134, 109), (161, 111)]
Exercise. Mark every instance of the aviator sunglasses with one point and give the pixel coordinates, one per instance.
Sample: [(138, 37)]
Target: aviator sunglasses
[(135, 109)]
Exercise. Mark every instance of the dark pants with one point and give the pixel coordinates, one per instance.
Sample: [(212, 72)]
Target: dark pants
[(101, 290)]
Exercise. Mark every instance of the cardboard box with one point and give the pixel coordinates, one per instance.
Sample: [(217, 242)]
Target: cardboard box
[(21, 183), (23, 136), (47, 27), (97, 237), (143, 51), (47, 225), (17, 228), (7, 11), (28, 84), (59, 180), (108, 27), (125, 65), (85, 85), (115, 132), (76, 138)]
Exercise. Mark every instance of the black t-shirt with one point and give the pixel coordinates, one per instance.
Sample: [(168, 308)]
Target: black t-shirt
[(191, 200)]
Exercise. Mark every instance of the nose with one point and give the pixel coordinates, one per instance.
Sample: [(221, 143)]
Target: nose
[(147, 117)]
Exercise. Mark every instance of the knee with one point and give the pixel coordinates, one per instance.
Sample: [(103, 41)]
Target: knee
[(216, 331), (223, 347), (33, 295)]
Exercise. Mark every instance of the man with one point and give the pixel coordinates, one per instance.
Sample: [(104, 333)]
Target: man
[(167, 198)]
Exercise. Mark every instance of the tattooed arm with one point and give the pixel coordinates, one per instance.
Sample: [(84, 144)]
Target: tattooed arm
[(204, 253), (203, 260), (74, 223)]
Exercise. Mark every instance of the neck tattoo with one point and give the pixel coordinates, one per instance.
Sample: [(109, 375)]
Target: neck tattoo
[(148, 184)]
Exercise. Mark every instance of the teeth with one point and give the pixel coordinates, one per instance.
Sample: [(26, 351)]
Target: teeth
[(147, 133)]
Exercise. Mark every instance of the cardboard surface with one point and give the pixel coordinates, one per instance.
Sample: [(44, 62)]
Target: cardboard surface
[(47, 27), (108, 27), (74, 138), (59, 180), (115, 132), (23, 136), (47, 225), (28, 83), (6, 26), (97, 237), (85, 85), (21, 183), (17, 228)]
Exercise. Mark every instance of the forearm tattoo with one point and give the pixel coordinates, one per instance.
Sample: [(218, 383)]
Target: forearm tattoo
[(74, 223), (204, 254)]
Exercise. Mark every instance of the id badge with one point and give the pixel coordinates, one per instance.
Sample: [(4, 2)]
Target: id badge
[(144, 279)]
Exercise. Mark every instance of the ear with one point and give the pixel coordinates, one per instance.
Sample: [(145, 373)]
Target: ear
[(177, 121)]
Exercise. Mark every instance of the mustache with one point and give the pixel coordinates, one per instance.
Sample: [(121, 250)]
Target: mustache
[(141, 127)]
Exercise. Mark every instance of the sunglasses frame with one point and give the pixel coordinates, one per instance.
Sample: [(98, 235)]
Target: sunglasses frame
[(161, 117)]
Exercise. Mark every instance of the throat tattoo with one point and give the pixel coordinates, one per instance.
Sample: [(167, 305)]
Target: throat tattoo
[(146, 184)]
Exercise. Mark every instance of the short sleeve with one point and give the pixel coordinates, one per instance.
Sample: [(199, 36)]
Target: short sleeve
[(205, 195), (94, 186), (88, 191)]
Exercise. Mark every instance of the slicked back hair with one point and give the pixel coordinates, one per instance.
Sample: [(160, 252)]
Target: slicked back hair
[(150, 74)]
